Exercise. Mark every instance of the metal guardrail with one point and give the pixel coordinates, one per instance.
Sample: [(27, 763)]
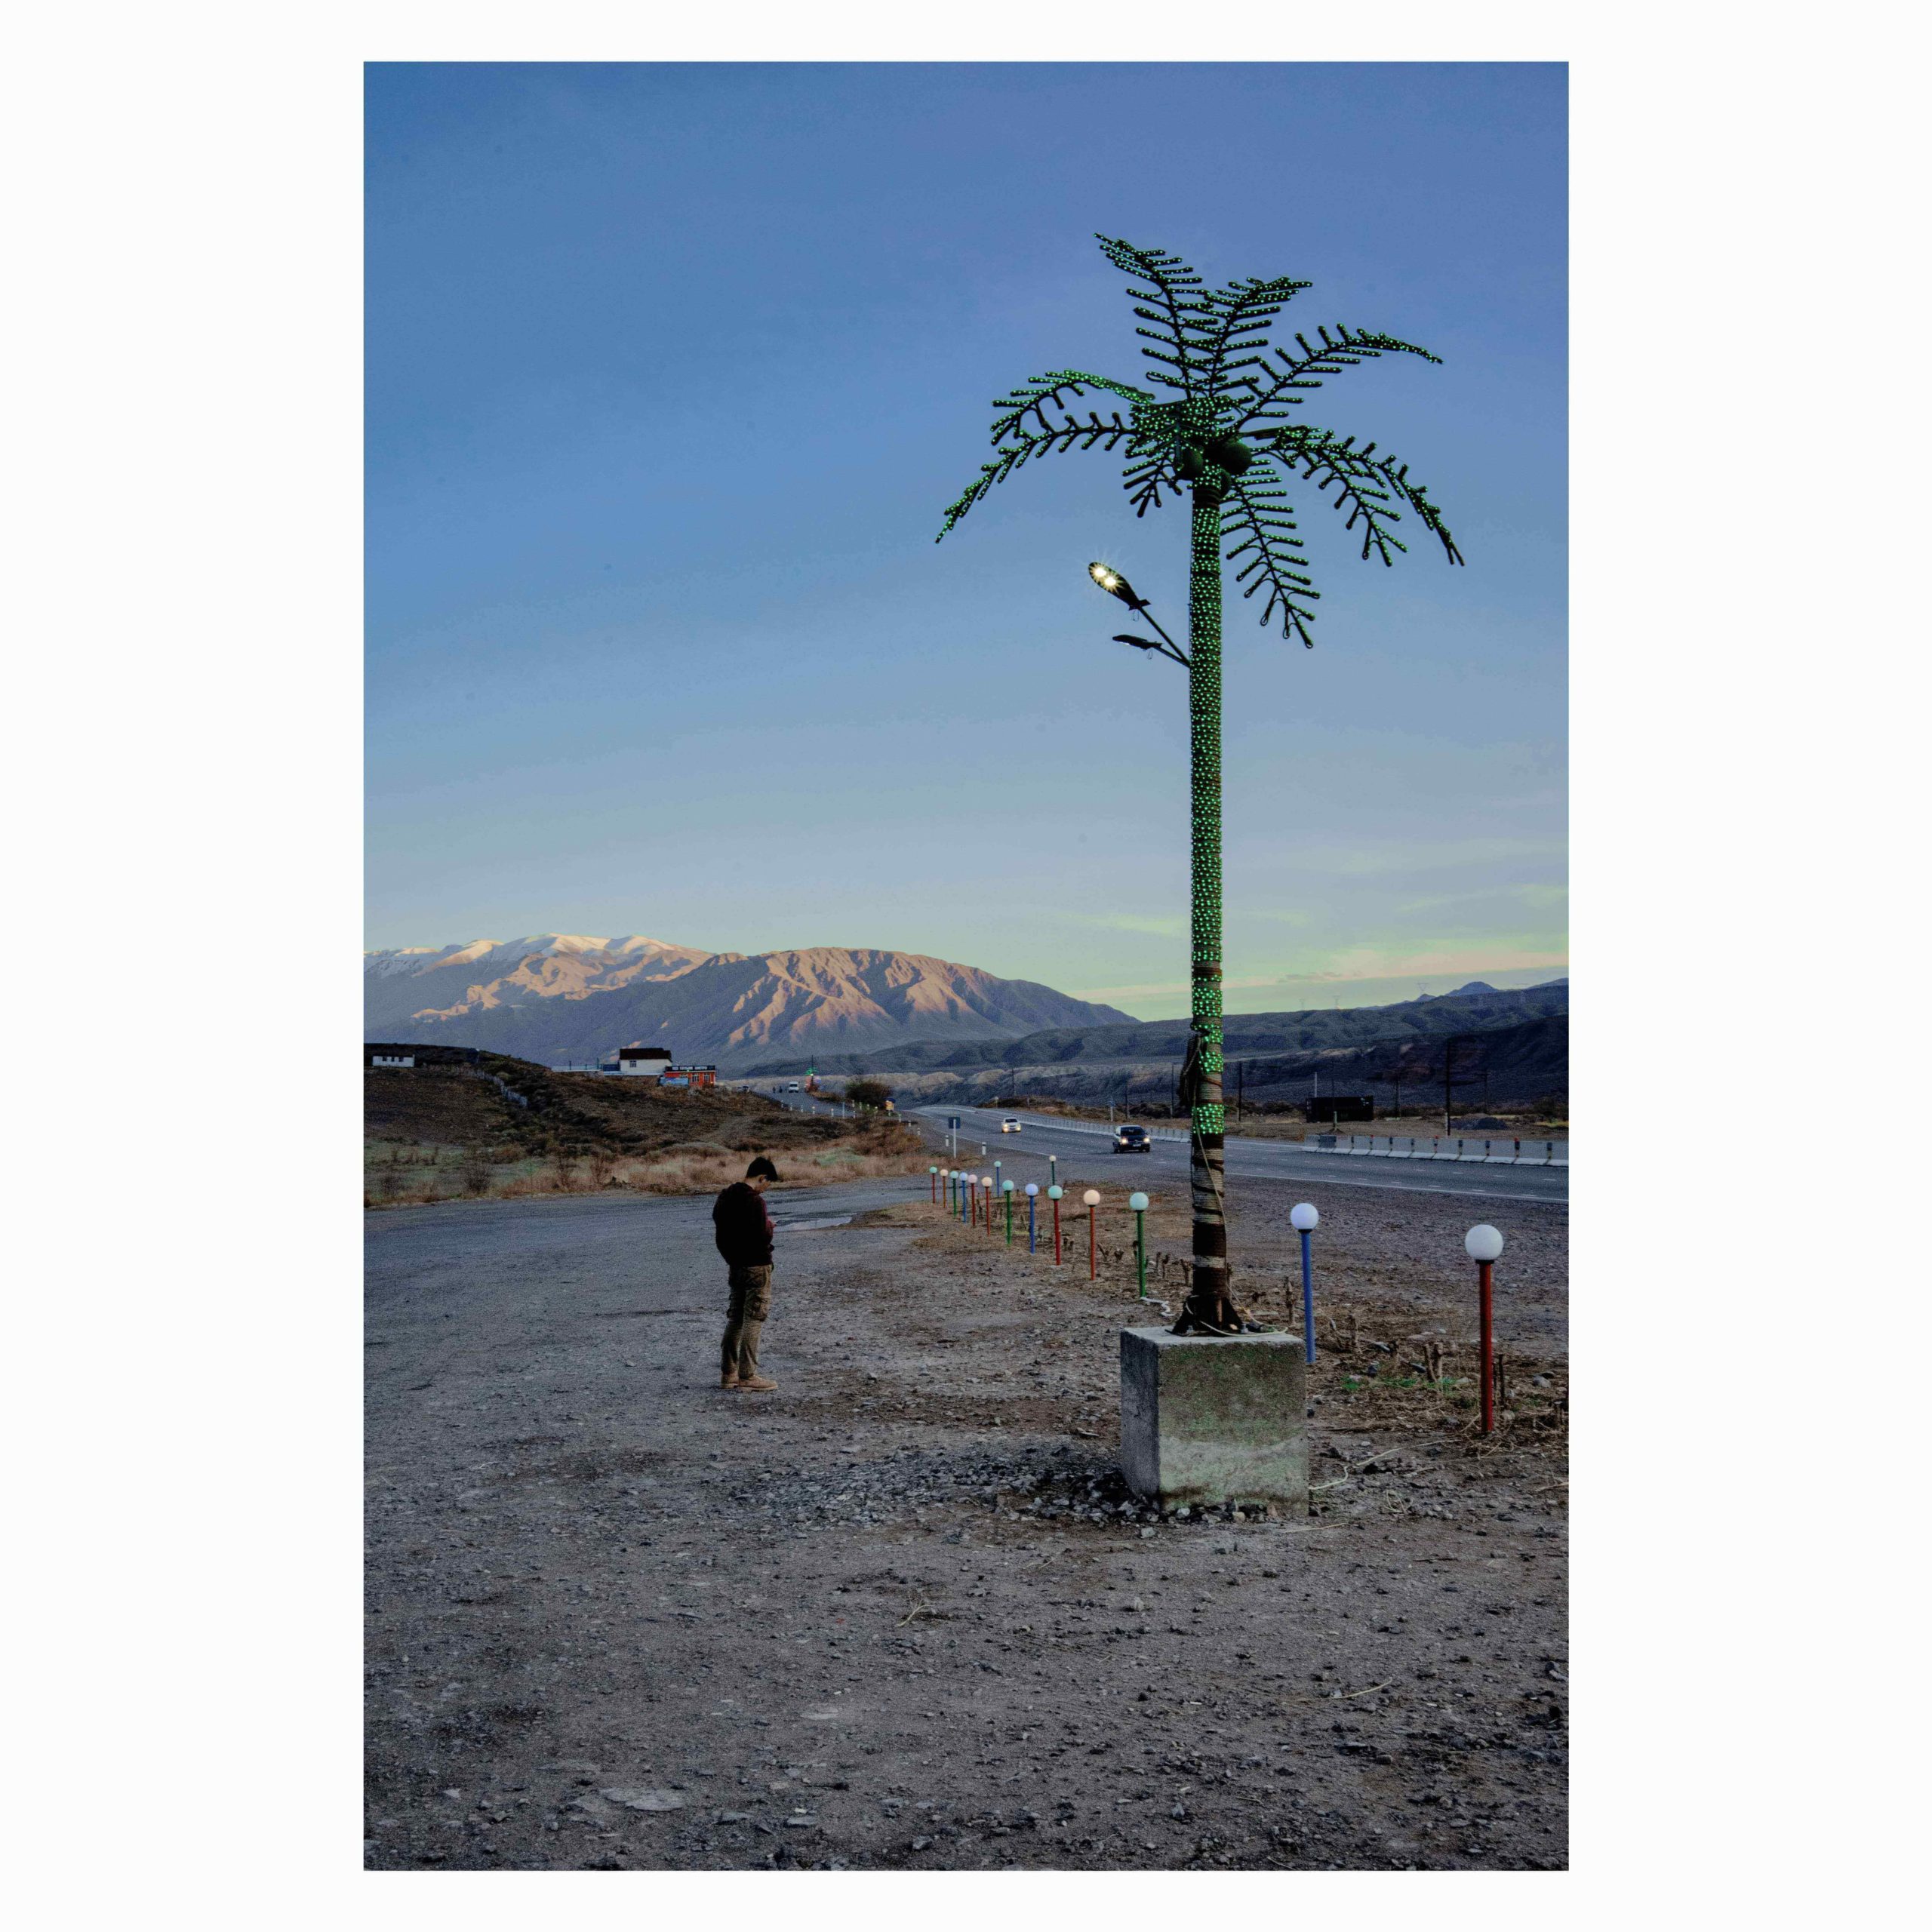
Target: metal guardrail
[(1496, 1151), (1503, 1151)]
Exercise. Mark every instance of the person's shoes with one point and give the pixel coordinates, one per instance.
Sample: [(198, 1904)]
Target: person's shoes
[(755, 1382), (729, 1382)]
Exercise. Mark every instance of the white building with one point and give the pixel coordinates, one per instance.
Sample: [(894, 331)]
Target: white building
[(392, 1060), (649, 1063)]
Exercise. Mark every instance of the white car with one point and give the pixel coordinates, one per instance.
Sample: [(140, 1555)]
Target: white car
[(1009, 1125)]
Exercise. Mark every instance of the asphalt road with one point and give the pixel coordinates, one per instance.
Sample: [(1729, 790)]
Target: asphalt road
[(1043, 1135)]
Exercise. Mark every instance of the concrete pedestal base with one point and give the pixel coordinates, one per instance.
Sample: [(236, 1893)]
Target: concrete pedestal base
[(1209, 1420)]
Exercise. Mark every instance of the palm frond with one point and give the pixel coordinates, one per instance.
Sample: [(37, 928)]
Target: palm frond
[(1143, 482), (1259, 517), (1024, 445), (1346, 348), (1183, 319), (1043, 392), (1368, 486), (1243, 311)]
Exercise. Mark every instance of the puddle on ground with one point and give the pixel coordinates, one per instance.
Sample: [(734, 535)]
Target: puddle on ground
[(823, 1221)]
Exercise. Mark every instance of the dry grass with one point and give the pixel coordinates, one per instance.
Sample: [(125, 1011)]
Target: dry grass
[(395, 1179)]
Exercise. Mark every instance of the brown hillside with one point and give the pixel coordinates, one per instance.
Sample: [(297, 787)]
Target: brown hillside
[(463, 1108)]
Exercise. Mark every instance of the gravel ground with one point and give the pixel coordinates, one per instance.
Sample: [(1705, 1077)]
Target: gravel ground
[(902, 1614)]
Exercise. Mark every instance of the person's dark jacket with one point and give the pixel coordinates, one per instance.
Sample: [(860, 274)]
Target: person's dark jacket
[(744, 1229)]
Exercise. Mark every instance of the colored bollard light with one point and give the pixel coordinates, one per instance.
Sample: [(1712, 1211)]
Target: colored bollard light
[(932, 1183), (1054, 1194), (1092, 1197), (1306, 1219), (1485, 1244), (1033, 1196), (1138, 1202), (1006, 1188)]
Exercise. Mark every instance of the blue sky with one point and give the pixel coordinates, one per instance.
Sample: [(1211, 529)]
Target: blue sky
[(671, 372)]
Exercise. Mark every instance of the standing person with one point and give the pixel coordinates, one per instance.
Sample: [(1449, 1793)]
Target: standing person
[(744, 1239)]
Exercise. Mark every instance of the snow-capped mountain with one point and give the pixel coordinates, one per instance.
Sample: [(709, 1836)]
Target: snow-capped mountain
[(559, 996)]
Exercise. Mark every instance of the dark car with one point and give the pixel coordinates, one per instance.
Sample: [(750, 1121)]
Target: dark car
[(1131, 1140)]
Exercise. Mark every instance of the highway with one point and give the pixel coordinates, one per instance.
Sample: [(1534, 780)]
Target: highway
[(1043, 1135)]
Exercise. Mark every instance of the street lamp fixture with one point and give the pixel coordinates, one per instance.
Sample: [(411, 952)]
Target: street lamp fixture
[(1484, 1243), (1117, 586)]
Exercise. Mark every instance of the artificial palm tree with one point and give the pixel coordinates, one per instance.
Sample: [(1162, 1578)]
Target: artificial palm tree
[(1230, 406)]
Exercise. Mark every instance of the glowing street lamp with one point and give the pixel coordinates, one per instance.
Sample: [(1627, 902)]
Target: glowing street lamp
[(1304, 1220), (1485, 1244)]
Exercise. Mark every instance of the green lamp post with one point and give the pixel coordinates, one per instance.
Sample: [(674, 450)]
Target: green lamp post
[(1229, 413)]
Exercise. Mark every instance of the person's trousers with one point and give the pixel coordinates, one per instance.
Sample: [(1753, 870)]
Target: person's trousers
[(751, 1302)]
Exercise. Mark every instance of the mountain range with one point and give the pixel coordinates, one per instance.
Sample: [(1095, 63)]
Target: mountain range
[(1474, 1008), (559, 997)]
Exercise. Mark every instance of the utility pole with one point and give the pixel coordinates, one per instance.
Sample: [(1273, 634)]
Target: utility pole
[(1448, 1056)]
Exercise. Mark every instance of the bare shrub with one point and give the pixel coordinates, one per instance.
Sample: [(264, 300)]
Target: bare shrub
[(474, 1176)]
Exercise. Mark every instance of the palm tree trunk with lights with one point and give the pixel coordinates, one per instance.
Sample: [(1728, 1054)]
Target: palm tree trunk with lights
[(1227, 433), (1209, 1305)]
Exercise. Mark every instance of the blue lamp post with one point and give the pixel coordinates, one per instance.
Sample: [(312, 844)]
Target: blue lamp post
[(1306, 1221)]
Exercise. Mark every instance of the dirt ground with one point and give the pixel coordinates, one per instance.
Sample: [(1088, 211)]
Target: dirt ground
[(904, 1613)]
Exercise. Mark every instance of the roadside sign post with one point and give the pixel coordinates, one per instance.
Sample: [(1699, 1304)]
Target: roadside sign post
[(1138, 1202), (1092, 1197), (1305, 1220), (1485, 1244), (1006, 1188), (1032, 1195), (1054, 1194)]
